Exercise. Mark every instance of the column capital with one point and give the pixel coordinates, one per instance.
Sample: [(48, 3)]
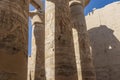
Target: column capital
[(76, 2)]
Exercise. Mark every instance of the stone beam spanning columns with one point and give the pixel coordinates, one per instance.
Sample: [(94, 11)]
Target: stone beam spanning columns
[(13, 39), (37, 4), (37, 66), (80, 31), (59, 48)]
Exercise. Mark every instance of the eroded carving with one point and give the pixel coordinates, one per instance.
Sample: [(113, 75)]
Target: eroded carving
[(7, 75), (13, 29), (65, 70)]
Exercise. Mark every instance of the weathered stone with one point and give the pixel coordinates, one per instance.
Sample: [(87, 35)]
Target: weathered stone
[(37, 4), (104, 32), (50, 40), (36, 63), (13, 39), (83, 48), (59, 49)]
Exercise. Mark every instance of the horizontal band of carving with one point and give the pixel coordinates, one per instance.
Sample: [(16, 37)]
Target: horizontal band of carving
[(7, 75)]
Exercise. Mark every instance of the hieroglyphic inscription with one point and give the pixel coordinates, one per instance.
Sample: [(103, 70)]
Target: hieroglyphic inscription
[(65, 70), (7, 76), (13, 32)]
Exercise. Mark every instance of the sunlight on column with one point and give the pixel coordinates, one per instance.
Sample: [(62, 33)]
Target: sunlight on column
[(34, 51), (32, 60), (50, 40), (77, 53)]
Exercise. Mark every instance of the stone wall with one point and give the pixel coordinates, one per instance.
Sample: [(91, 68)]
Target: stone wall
[(104, 32)]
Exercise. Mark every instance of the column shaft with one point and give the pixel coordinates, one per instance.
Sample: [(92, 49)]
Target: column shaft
[(37, 71), (78, 19), (60, 57), (13, 39)]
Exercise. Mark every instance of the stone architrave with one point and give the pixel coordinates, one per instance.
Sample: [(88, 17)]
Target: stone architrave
[(13, 39), (37, 4)]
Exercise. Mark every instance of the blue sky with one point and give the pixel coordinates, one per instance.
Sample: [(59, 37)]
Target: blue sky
[(29, 37), (93, 4), (97, 4), (30, 32)]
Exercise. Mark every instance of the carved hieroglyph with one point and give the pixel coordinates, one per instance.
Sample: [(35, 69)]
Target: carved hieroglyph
[(13, 39)]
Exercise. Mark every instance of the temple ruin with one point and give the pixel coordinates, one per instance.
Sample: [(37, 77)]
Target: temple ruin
[(61, 49), (63, 52), (58, 52)]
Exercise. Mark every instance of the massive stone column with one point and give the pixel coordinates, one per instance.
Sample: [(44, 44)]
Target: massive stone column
[(13, 39), (59, 50), (79, 30), (37, 67)]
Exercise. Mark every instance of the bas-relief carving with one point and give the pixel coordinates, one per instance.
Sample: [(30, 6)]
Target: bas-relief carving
[(13, 29), (65, 70), (13, 39), (40, 74), (7, 75)]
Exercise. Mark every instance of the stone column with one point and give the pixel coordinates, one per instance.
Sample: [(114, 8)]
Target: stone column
[(79, 30), (13, 39), (59, 50), (37, 71)]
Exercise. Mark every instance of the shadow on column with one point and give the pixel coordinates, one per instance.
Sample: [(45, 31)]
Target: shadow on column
[(106, 53), (83, 51)]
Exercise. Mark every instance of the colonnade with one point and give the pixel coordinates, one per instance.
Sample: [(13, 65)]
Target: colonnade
[(60, 44)]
